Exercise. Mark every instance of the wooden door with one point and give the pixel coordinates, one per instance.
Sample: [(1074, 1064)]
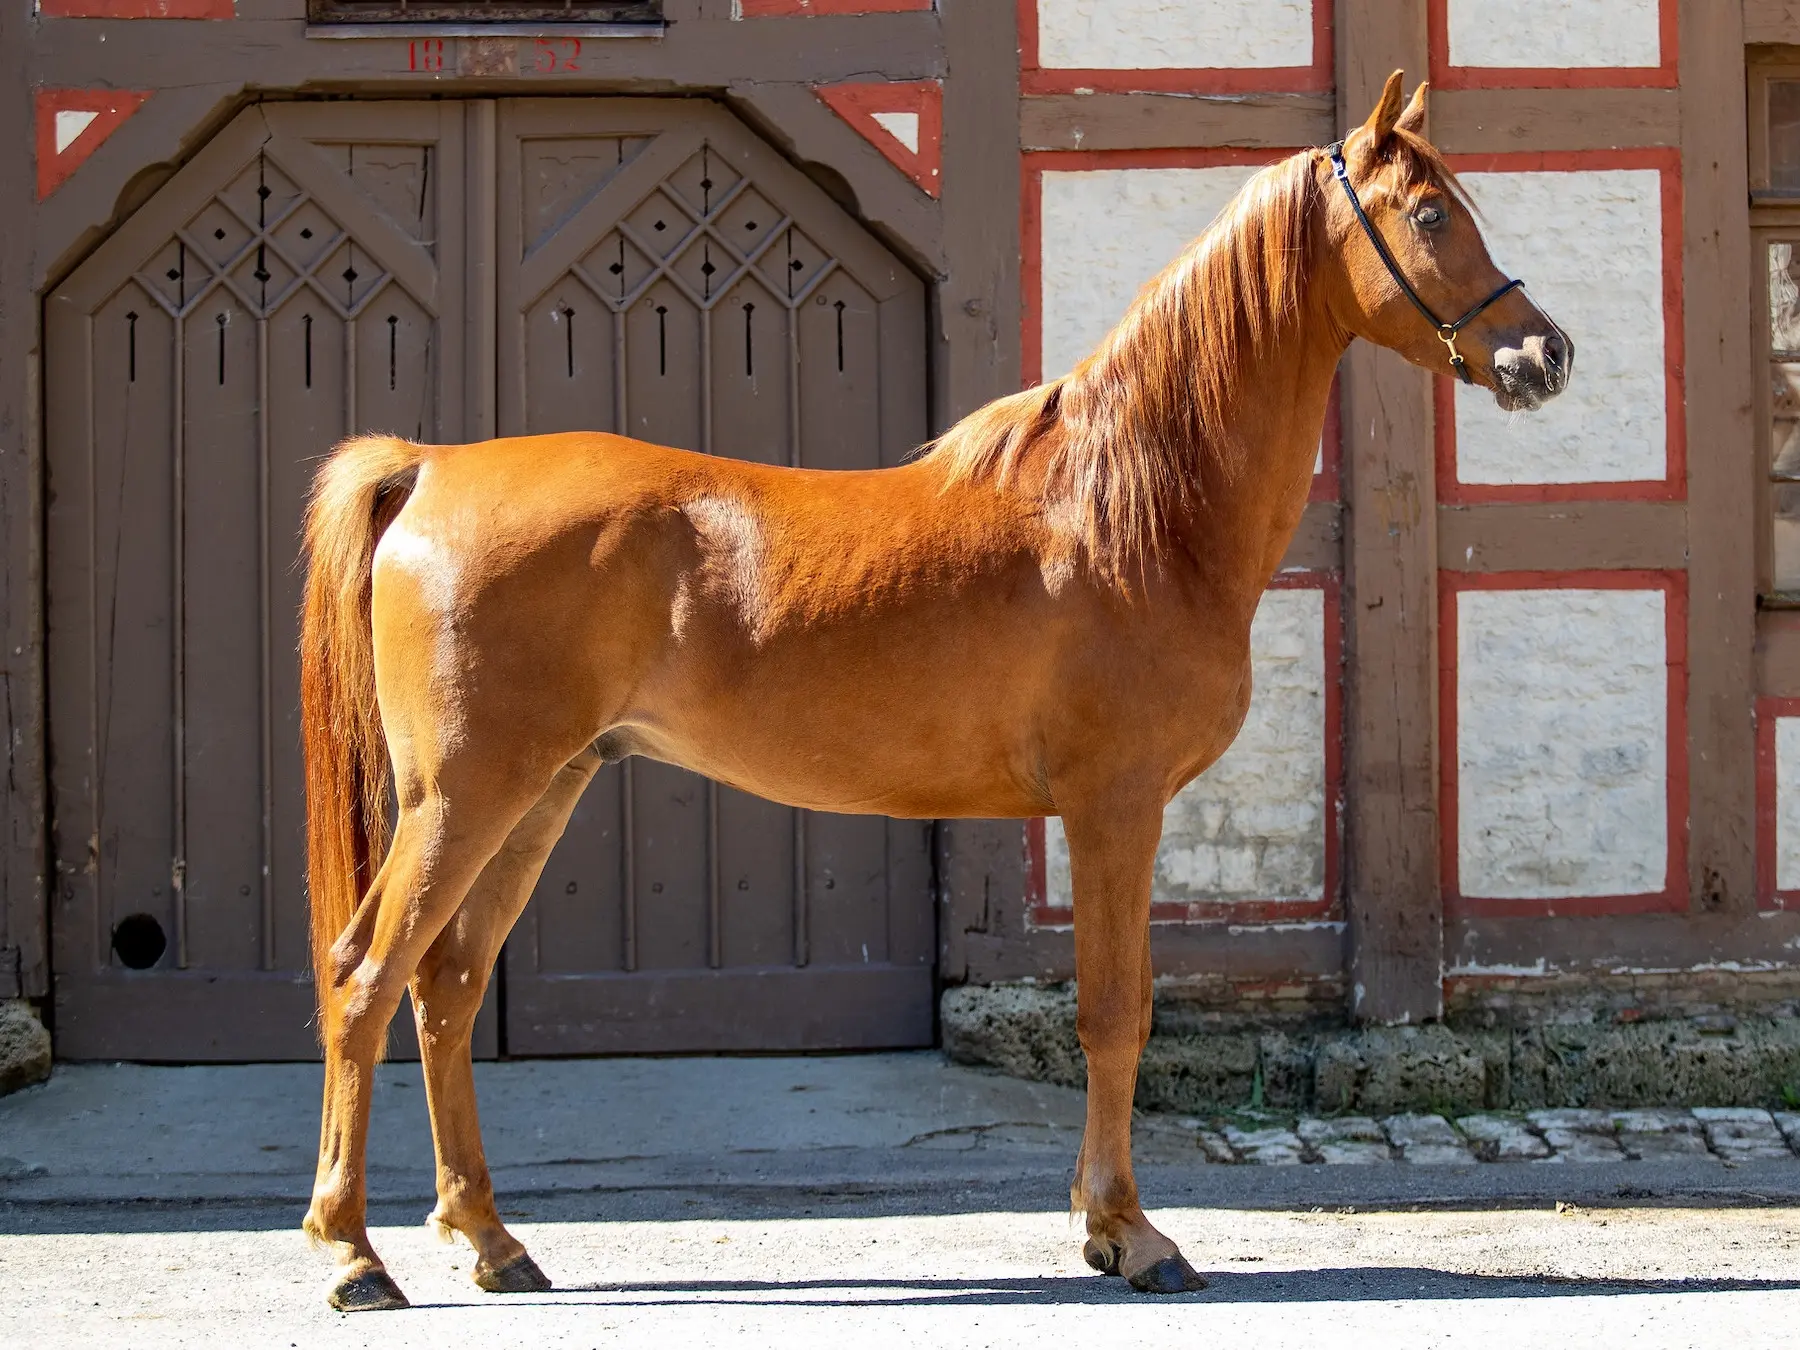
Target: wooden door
[(442, 271), (663, 273), (300, 279)]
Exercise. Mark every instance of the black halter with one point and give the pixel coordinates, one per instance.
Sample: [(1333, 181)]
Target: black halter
[(1446, 331)]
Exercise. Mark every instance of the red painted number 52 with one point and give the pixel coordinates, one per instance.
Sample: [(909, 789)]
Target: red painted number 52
[(557, 54)]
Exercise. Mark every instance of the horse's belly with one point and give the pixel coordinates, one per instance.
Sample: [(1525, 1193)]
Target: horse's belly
[(909, 773), (847, 740)]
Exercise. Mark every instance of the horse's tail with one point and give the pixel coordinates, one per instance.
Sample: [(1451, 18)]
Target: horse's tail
[(356, 494)]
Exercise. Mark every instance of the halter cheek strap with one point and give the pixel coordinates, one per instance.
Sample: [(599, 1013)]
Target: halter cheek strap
[(1446, 332)]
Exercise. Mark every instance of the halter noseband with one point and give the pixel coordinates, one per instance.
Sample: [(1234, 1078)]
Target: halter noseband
[(1446, 332)]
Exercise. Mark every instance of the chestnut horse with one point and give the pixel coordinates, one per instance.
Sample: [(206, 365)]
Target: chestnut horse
[(1047, 613)]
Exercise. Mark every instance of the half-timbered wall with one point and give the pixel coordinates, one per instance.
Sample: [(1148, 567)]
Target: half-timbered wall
[(1519, 714)]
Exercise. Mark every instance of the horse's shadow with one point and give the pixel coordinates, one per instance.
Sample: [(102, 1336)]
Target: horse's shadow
[(1352, 1284)]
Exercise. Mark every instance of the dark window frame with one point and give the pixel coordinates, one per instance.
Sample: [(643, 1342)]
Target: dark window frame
[(1774, 219)]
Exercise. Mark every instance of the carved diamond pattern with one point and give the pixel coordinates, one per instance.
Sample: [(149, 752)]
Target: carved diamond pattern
[(703, 229), (263, 238)]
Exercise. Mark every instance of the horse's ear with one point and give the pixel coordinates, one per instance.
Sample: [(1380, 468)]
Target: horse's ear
[(1387, 111), (1413, 119)]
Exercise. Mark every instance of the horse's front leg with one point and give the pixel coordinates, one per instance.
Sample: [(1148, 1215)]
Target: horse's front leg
[(1112, 855)]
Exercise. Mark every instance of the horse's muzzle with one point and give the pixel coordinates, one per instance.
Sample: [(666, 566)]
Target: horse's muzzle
[(1528, 376)]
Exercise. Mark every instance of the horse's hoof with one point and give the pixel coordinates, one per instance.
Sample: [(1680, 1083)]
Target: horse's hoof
[(518, 1276), (1104, 1259), (1171, 1275), (371, 1291)]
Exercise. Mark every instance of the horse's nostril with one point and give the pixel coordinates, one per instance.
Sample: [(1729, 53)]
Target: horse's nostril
[(1555, 355)]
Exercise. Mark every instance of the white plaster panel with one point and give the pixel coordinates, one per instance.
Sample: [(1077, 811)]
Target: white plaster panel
[(1589, 245), (1559, 33), (1106, 232), (1787, 803), (1562, 743), (1252, 827), (1173, 34)]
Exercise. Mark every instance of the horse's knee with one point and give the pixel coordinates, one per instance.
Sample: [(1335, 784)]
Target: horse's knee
[(1111, 1027)]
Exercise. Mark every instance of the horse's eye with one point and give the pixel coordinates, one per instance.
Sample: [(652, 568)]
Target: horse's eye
[(1429, 217)]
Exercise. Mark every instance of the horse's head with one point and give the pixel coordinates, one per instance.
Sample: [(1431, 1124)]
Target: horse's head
[(1436, 295)]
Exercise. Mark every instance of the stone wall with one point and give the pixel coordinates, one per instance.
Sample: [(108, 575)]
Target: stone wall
[(1577, 1055)]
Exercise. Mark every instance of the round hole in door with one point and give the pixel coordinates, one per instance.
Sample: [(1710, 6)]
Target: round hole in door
[(138, 939)]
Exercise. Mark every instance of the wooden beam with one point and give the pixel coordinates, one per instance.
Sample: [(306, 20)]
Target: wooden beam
[(1393, 903), (1771, 21), (23, 898), (981, 863), (1562, 536), (693, 54), (1621, 943), (1488, 121), (1722, 463), (794, 118), (1318, 545), (1778, 654), (1303, 956), (1158, 121)]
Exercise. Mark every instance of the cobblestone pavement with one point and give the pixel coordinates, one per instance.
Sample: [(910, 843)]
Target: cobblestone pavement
[(1728, 1134)]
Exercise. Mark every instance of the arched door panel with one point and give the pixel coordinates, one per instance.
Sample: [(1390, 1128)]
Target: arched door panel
[(663, 274), (443, 271), (288, 286)]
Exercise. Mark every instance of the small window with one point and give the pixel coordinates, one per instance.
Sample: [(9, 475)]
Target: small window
[(1783, 421), (1774, 141), (484, 11), (1784, 135)]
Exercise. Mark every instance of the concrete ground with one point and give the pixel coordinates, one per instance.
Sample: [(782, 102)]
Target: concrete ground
[(878, 1198)]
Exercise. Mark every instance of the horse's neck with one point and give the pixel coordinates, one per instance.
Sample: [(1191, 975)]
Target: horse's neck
[(1243, 516)]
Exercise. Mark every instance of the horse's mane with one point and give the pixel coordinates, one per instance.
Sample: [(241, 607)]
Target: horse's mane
[(1131, 436)]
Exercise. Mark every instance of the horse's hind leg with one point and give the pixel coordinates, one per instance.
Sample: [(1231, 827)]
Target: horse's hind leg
[(447, 831), (1112, 856), (447, 993)]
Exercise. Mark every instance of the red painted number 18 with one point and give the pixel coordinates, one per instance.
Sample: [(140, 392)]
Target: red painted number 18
[(557, 54), (425, 54)]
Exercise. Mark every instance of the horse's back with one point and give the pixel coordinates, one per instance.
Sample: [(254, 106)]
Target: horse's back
[(765, 625)]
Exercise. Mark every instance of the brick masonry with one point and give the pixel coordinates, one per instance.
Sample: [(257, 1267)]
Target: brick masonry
[(1562, 706), (1589, 34), (1253, 826), (1108, 231), (1787, 804), (1191, 34), (1602, 279)]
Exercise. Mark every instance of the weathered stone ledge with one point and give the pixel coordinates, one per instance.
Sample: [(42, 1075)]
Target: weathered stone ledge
[(1750, 1060), (24, 1047)]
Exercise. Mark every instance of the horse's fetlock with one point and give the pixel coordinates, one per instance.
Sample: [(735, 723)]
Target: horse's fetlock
[(1104, 1195), (440, 1224)]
